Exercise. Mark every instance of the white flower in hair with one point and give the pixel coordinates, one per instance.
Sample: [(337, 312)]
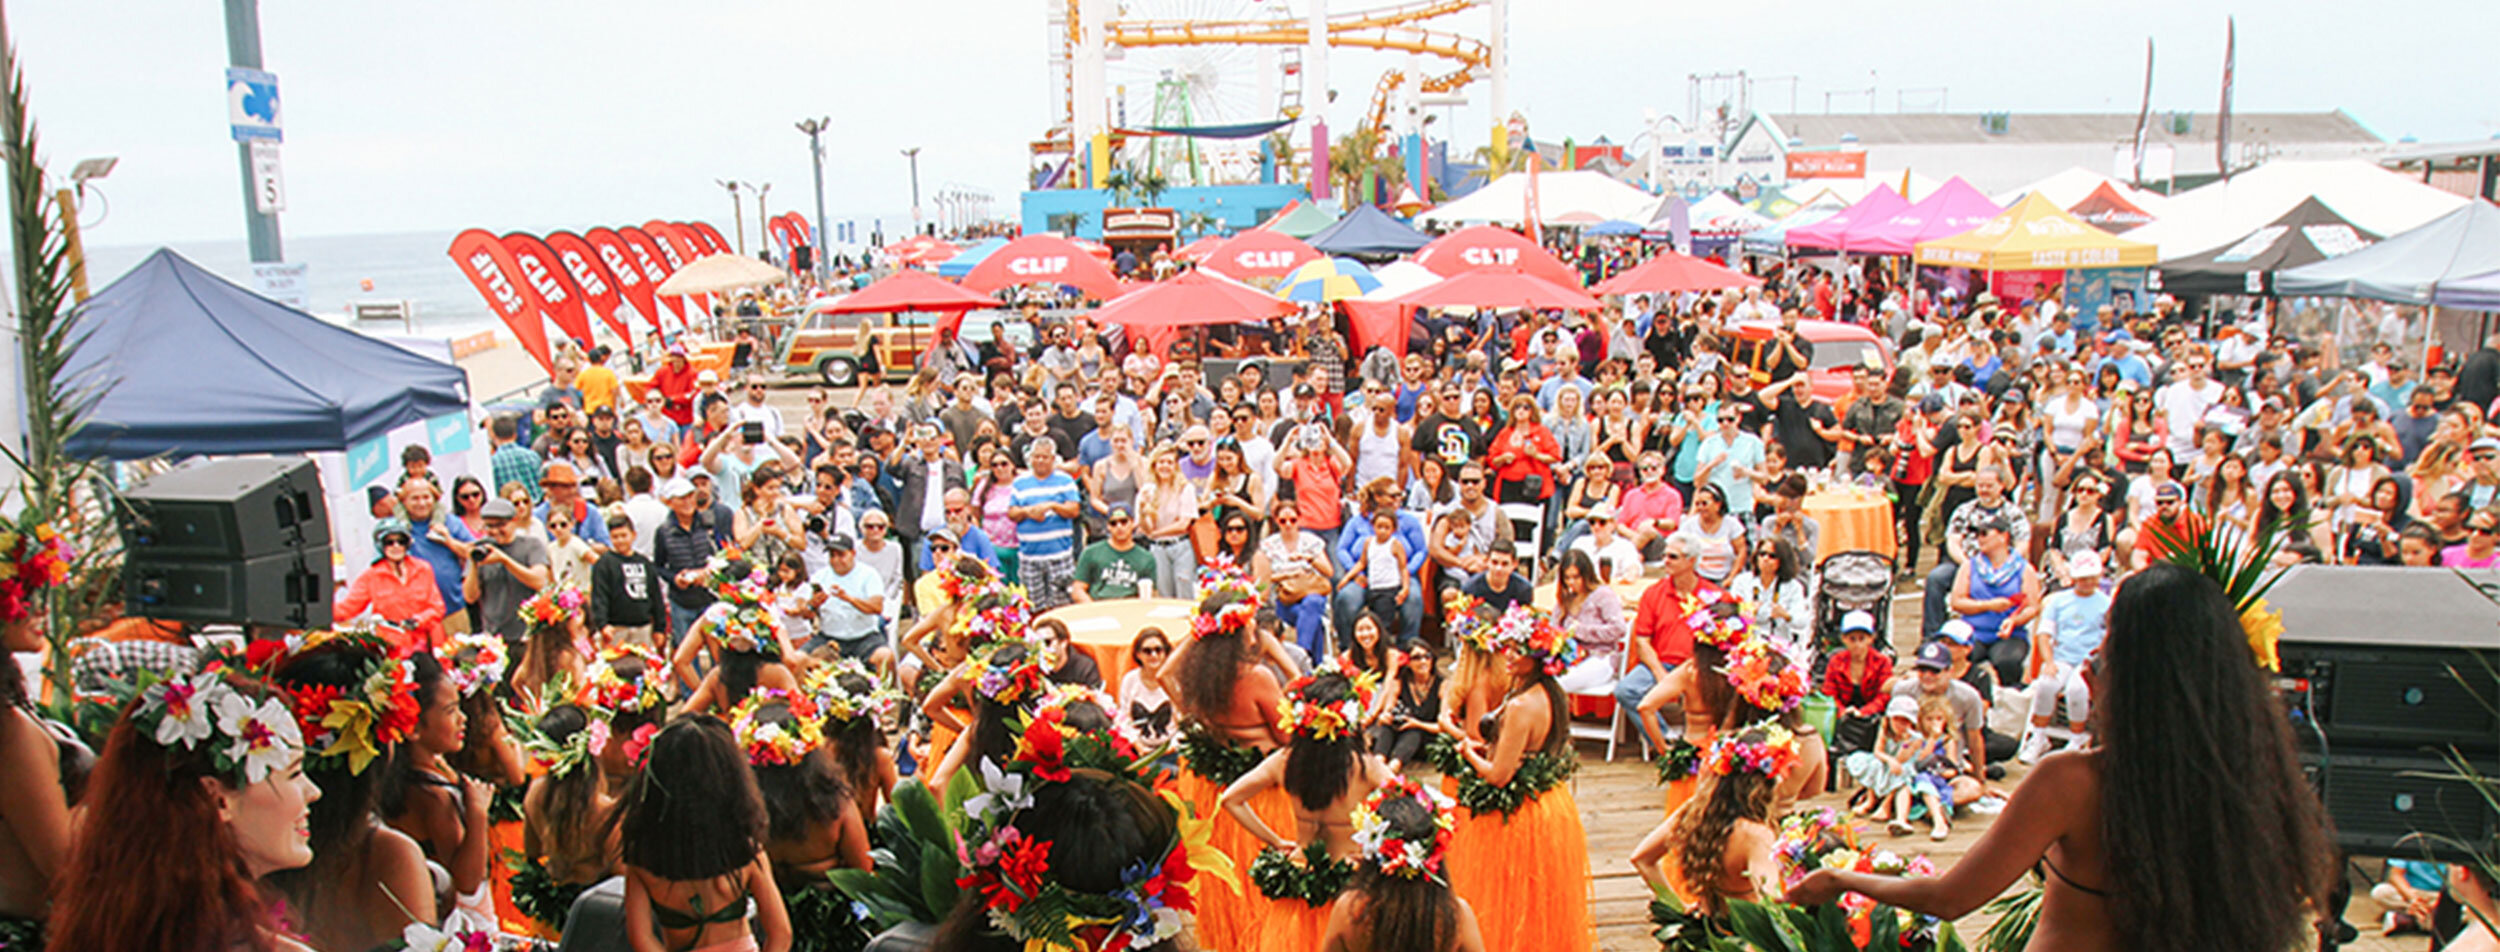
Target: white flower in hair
[(187, 716), (262, 737)]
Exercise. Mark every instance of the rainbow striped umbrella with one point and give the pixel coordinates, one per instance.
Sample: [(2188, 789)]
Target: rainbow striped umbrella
[(1328, 279)]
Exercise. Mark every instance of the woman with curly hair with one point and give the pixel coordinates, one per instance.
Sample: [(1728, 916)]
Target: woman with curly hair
[(2176, 833), (366, 879), (1327, 771), (812, 824), (693, 829), (1231, 703), (1400, 900), (200, 793), (1719, 843)]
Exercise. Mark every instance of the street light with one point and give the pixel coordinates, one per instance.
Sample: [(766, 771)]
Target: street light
[(737, 212), (762, 224), (913, 154), (814, 129)]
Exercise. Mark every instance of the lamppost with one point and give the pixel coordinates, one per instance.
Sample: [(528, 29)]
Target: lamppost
[(763, 233), (814, 128), (913, 154), (737, 212)]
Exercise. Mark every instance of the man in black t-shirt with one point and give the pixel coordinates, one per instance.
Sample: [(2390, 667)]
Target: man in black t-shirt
[(1789, 352), (1441, 431), (1501, 586)]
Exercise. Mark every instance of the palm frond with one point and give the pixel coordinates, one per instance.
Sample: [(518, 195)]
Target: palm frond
[(2242, 564)]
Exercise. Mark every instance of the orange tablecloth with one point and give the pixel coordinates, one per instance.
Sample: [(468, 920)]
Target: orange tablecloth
[(1105, 628), (1853, 520)]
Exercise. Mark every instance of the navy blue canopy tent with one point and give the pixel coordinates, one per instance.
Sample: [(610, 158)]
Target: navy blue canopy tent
[(192, 365), (1368, 232)]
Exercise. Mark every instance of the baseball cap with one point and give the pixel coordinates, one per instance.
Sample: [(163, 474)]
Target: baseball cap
[(1119, 511), (2486, 443), (1957, 631), (679, 486), (1902, 705), (943, 534), (1306, 390), (497, 509), (1933, 657), (2086, 563), (2169, 492), (707, 376), (840, 543), (1931, 403), (1857, 621)]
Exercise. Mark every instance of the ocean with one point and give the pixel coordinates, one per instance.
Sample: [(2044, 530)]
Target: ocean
[(411, 266)]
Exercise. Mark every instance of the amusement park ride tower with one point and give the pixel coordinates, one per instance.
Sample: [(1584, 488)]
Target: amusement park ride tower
[(1235, 69)]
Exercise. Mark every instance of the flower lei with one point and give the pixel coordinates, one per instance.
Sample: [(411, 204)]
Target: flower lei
[(551, 607), (475, 662), (1538, 772), (1680, 760), (1008, 871), (32, 558), (1405, 858), (1532, 634), (608, 693), (1005, 682), (1766, 748), (243, 738), (1765, 677), (1303, 717), (745, 627), (419, 937), (838, 704), (1824, 839), (777, 744), (1210, 755), (1314, 881), (1464, 623), (357, 724)]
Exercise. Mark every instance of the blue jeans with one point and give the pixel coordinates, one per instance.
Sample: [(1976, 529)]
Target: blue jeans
[(1348, 602), (680, 618), (1634, 685), (1309, 618), (1934, 611)]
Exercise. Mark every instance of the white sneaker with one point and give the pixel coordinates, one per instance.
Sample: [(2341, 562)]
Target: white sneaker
[(2077, 742), (2035, 746)]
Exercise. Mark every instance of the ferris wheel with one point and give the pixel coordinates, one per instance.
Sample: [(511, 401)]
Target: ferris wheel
[(1201, 85)]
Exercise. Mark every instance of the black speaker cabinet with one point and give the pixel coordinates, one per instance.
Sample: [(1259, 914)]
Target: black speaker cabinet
[(285, 590), (2380, 800), (227, 509), (2401, 697)]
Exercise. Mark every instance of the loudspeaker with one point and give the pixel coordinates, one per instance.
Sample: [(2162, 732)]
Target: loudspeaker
[(227, 509), (283, 590), (2387, 804), (2393, 657)]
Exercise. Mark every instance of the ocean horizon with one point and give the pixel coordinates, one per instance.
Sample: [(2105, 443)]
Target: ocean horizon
[(405, 266)]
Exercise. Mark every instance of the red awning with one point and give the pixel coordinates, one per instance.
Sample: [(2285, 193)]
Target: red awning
[(1671, 272), (1500, 286), (1258, 254), (1043, 259), (1484, 246), (909, 291), (1195, 297)]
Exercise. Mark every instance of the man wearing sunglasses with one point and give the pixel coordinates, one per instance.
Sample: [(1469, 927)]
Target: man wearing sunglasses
[(753, 409)]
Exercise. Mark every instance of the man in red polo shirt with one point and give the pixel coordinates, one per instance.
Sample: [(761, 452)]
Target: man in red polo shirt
[(1660, 640), (2173, 517)]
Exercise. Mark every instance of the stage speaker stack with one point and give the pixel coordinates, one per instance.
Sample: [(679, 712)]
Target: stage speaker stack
[(2387, 671), (243, 541)]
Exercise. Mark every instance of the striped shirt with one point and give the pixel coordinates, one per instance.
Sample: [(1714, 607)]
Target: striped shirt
[(1051, 535)]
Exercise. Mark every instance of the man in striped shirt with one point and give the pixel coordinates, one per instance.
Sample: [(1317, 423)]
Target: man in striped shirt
[(1044, 506)]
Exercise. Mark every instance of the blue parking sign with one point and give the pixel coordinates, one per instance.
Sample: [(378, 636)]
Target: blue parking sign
[(252, 104)]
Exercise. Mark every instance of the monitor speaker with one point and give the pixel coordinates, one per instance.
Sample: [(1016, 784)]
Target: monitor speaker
[(2386, 803), (227, 509), (285, 590)]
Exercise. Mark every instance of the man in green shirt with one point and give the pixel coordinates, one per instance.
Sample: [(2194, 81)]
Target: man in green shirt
[(1116, 567)]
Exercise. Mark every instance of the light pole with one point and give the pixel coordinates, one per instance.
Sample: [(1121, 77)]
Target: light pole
[(243, 50), (815, 128), (737, 212), (763, 225), (913, 154)]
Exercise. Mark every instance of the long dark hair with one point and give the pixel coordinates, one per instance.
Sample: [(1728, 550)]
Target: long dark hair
[(570, 800), (1406, 914), (402, 778), (853, 744), (802, 796), (993, 723), (692, 813), (1709, 820), (1558, 724), (155, 868), (343, 820), (1318, 769), (1204, 683), (2214, 839), (1098, 827)]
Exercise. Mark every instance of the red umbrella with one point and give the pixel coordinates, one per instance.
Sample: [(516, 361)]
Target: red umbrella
[(1195, 297), (1258, 253), (1484, 246), (1499, 286), (1043, 259), (1197, 250), (909, 291), (1673, 271)]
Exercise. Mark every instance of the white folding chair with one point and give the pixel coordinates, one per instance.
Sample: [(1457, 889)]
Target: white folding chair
[(1613, 731), (1527, 533)]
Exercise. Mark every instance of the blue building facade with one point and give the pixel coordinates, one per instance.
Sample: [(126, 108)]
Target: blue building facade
[(1078, 211)]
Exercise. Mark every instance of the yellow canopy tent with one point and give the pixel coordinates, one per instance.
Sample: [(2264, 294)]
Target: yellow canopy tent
[(2035, 235)]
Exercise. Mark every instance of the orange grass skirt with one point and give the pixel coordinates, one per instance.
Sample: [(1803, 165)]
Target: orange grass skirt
[(1527, 875)]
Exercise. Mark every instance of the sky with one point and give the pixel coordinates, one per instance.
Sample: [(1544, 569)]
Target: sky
[(546, 114)]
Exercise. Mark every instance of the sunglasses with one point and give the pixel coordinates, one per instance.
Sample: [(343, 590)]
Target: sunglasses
[(396, 540), (941, 547), (2484, 530), (1236, 528), (473, 494), (1470, 480), (1151, 651), (1121, 520)]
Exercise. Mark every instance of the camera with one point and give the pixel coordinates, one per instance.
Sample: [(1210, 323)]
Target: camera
[(751, 431)]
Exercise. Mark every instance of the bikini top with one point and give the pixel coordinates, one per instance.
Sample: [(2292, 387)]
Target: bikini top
[(2069, 880), (696, 919)]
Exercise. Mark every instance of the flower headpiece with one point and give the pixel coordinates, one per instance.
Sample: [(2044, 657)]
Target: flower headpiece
[(1765, 676), (841, 705), (1010, 873), (1234, 618), (1532, 634), (243, 737), (777, 744), (1003, 681), (419, 937), (475, 662), (999, 613), (745, 627), (550, 607), (1407, 858), (1221, 574), (722, 577), (32, 559), (1719, 623), (1304, 717), (1463, 619), (1766, 748), (358, 723), (1048, 747), (956, 585), (607, 693), (558, 757)]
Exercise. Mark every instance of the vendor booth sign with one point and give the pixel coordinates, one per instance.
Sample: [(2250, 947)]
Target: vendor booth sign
[(1835, 164)]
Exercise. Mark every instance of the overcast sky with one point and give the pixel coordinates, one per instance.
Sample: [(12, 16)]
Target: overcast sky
[(552, 113)]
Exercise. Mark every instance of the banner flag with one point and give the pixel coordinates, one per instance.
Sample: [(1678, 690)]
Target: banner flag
[(619, 257), (556, 293), (2222, 125), (681, 251), (598, 287), (711, 237), (657, 263), (497, 277)]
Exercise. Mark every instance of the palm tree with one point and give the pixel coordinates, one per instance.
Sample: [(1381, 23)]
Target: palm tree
[(1358, 160), (1198, 223)]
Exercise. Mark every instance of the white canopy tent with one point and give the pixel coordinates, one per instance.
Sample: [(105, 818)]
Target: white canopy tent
[(1717, 214), (2214, 215), (1399, 277), (1563, 198)]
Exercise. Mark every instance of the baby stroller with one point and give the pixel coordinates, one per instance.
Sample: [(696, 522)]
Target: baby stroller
[(1846, 582)]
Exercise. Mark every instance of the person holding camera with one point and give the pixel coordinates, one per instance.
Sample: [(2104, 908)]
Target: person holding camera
[(505, 569), (736, 451), (1317, 465)]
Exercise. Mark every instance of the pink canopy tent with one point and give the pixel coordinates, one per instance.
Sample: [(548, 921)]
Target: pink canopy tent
[(1257, 255), (1950, 210), (1500, 286), (1880, 204)]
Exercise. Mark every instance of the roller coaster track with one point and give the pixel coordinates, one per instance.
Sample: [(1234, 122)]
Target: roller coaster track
[(1386, 28)]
